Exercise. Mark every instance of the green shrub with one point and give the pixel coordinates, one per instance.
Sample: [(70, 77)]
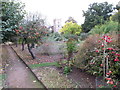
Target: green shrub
[(56, 36), (71, 45), (105, 28), (67, 70), (83, 36)]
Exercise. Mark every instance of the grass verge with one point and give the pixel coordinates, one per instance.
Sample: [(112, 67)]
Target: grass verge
[(46, 64), (43, 64), (2, 78)]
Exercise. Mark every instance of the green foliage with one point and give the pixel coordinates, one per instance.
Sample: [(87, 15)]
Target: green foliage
[(12, 13), (71, 48), (97, 13), (71, 28), (105, 28), (70, 31), (115, 17), (56, 36), (67, 70), (71, 45), (83, 36)]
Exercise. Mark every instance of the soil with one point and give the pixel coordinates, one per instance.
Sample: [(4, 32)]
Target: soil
[(40, 58), (18, 74), (82, 79)]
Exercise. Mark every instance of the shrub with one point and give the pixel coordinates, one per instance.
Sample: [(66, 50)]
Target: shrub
[(67, 70), (71, 28), (100, 56), (105, 28), (85, 47), (52, 48), (56, 36), (83, 36)]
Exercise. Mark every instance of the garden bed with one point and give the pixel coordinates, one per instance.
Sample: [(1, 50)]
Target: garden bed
[(47, 68), (50, 79)]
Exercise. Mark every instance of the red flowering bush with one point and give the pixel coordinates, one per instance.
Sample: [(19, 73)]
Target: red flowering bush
[(103, 59)]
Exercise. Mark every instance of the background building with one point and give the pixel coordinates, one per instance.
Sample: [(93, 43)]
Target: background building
[(57, 25)]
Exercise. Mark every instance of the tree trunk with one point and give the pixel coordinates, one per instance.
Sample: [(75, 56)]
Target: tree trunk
[(29, 49), (16, 44), (32, 45), (16, 41), (22, 45)]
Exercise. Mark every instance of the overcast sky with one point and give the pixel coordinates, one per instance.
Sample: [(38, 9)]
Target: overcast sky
[(61, 9)]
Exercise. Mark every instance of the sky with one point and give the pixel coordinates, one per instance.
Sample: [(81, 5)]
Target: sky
[(61, 9)]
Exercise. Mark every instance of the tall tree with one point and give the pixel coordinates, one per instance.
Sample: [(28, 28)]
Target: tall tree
[(12, 12), (115, 17), (71, 28), (97, 13)]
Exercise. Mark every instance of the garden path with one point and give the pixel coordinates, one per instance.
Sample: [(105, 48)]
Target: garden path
[(18, 74)]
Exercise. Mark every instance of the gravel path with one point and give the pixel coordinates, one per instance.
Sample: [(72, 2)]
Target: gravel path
[(18, 75)]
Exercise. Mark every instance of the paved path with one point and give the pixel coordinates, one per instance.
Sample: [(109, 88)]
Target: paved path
[(18, 75)]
